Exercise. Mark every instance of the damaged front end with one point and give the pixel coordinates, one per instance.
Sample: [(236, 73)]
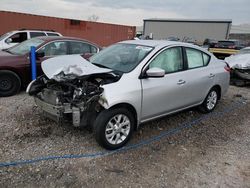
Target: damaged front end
[(71, 96)]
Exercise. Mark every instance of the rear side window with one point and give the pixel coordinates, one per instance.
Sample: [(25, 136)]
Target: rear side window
[(79, 48), (18, 37), (36, 34), (196, 58), (52, 34), (93, 49)]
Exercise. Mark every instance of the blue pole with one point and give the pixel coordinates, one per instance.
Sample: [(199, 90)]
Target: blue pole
[(33, 62)]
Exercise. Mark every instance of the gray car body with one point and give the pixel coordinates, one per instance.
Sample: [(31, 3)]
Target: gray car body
[(153, 98)]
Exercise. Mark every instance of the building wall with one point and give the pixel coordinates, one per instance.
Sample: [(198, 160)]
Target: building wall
[(102, 34), (197, 30)]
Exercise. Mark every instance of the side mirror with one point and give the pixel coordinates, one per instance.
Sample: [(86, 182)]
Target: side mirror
[(39, 55), (9, 40), (155, 72)]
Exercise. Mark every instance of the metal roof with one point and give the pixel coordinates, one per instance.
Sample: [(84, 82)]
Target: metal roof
[(189, 20)]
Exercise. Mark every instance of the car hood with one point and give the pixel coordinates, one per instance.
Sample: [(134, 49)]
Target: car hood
[(241, 61), (58, 67)]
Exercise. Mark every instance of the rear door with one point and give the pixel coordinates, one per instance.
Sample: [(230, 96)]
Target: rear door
[(199, 76)]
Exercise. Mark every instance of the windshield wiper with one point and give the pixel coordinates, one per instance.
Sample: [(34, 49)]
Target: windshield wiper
[(102, 66), (7, 50)]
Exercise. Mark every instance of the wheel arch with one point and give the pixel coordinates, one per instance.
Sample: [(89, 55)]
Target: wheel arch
[(131, 108), (218, 88)]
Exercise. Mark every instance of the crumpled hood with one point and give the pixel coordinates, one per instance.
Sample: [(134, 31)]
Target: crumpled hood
[(70, 65), (241, 61)]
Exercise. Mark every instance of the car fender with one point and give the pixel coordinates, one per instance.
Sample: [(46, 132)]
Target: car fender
[(126, 90)]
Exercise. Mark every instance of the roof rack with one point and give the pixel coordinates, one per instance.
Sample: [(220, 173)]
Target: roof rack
[(37, 29)]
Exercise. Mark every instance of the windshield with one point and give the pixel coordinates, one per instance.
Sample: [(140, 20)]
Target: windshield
[(121, 57), (24, 47), (5, 35)]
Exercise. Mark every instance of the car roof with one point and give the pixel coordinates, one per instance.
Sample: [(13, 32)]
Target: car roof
[(159, 43), (152, 43), (53, 38)]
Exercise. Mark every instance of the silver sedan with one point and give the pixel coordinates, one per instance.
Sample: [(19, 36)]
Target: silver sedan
[(130, 83)]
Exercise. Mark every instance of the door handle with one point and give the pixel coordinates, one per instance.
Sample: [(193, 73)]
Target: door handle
[(181, 82), (211, 75)]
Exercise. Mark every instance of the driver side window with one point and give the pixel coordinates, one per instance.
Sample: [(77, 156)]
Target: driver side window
[(169, 60)]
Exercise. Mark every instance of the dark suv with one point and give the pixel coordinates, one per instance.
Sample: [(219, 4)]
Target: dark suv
[(229, 44), (15, 68)]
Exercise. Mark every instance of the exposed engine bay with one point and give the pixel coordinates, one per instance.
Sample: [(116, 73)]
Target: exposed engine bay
[(70, 97)]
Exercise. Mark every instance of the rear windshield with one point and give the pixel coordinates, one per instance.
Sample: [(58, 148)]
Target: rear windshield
[(227, 43), (24, 47)]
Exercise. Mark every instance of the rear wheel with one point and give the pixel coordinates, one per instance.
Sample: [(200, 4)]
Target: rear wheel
[(210, 102), (10, 83), (113, 128)]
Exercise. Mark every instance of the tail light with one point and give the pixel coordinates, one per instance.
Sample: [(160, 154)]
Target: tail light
[(227, 68)]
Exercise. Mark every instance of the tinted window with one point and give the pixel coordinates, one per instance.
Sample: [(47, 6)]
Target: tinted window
[(18, 37), (55, 48), (196, 58), (227, 43), (79, 48), (52, 34), (36, 34), (169, 60)]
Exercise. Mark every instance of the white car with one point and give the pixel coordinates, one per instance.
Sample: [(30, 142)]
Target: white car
[(127, 84), (13, 38), (240, 64)]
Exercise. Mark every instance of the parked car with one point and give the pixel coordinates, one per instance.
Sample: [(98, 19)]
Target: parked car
[(13, 38), (172, 38), (129, 83), (229, 44), (245, 50), (240, 64), (15, 63), (209, 43)]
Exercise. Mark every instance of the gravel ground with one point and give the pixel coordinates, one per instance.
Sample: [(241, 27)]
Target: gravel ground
[(215, 152)]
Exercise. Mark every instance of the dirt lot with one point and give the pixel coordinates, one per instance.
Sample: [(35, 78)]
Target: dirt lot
[(212, 151)]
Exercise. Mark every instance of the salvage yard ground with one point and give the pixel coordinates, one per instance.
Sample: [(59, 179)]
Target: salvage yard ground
[(212, 151)]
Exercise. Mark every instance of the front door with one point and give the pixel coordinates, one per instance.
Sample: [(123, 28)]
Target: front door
[(165, 94)]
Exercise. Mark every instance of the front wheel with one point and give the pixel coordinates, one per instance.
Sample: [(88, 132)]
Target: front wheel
[(210, 102), (113, 128)]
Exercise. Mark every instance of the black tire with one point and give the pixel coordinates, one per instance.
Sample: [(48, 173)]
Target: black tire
[(204, 107), (10, 83), (101, 124)]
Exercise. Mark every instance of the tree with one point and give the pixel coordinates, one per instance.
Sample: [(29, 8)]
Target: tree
[(93, 18)]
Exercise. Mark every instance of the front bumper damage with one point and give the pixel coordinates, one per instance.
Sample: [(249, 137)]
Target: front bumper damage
[(58, 112)]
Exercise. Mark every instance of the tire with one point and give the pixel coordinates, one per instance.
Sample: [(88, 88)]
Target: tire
[(210, 101), (10, 83), (107, 131)]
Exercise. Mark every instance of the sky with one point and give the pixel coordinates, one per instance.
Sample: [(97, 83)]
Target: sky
[(132, 12)]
